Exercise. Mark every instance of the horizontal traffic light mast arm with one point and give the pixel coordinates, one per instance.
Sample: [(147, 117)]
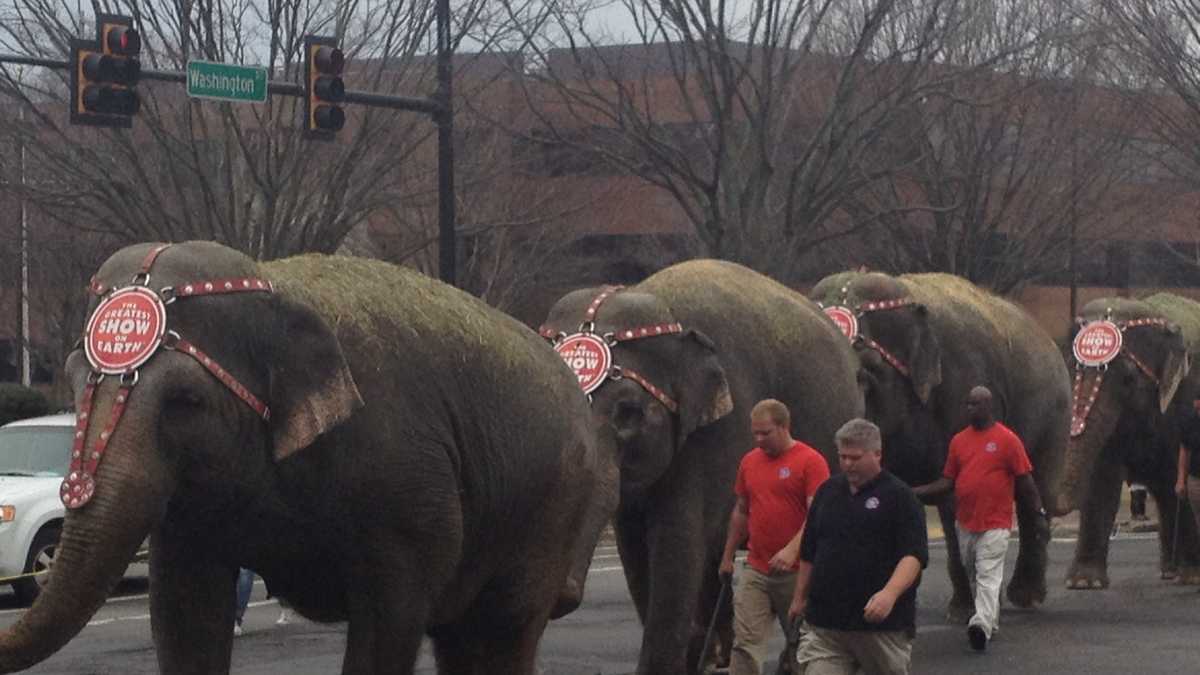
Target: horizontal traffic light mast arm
[(431, 106)]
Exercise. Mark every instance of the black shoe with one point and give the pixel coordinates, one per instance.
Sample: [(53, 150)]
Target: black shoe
[(977, 638)]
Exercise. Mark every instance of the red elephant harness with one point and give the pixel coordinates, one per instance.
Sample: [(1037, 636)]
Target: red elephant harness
[(852, 333), (80, 484), (1081, 407), (612, 339)]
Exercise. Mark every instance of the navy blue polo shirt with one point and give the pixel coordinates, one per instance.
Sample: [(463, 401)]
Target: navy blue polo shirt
[(854, 542)]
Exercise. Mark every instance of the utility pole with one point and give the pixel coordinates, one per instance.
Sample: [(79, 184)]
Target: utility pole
[(447, 246), (25, 371)]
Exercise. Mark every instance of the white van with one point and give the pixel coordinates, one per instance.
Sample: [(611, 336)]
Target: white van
[(34, 456)]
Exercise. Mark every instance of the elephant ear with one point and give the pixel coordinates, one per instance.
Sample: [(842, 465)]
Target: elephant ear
[(311, 388), (925, 355), (1175, 367), (701, 387)]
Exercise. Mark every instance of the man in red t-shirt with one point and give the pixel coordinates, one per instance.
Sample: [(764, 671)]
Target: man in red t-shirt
[(986, 464), (776, 482)]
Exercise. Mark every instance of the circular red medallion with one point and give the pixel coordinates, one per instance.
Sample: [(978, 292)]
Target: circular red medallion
[(1097, 343), (589, 356), (125, 330), (845, 319), (77, 489)]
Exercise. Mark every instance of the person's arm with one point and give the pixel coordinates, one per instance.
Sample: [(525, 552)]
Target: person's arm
[(930, 493), (738, 532), (1185, 459), (785, 558), (903, 577), (800, 594)]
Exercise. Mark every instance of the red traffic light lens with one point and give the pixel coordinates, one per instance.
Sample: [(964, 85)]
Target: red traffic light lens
[(329, 60), (123, 40)]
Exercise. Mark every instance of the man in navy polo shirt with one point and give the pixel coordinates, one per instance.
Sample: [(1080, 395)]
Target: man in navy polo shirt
[(861, 558)]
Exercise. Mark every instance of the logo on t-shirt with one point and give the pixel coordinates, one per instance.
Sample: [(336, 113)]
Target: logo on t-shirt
[(784, 472), (872, 503), (990, 447)]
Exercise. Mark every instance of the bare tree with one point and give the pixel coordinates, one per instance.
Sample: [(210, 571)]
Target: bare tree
[(760, 119), (238, 174), (1012, 161)]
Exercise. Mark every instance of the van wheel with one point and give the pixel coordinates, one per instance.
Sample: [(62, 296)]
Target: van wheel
[(40, 559)]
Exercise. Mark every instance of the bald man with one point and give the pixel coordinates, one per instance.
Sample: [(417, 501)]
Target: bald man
[(987, 463)]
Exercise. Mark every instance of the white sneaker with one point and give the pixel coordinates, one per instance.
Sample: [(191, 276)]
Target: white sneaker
[(284, 618), (237, 629)]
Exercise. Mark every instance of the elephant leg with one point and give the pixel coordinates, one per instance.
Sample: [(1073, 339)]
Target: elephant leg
[(1028, 585), (676, 546), (635, 559), (1176, 535), (1097, 513), (962, 602), (722, 640), (469, 649), (191, 608), (389, 608)]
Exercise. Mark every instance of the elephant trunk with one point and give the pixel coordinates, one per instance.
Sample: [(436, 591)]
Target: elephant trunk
[(1084, 450), (98, 542)]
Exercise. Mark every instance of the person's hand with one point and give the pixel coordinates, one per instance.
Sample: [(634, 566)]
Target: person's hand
[(796, 611), (1181, 488), (725, 571), (1043, 527), (784, 560), (879, 606)]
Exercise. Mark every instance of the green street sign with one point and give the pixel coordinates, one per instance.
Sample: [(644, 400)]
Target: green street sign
[(226, 82)]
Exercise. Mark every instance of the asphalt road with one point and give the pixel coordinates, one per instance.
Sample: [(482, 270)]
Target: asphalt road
[(1140, 625)]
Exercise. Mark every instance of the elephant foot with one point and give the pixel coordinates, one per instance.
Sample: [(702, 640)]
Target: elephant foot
[(1026, 594), (960, 611), (1087, 577), (1189, 576)]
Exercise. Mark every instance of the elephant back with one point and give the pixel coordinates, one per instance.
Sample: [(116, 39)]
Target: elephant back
[(1183, 312), (391, 311), (773, 317)]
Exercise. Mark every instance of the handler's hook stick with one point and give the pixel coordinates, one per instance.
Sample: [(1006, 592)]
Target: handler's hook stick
[(726, 581), (1175, 538)]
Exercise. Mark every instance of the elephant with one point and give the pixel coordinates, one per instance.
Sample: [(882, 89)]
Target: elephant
[(693, 348), (382, 449), (1131, 395), (923, 341)]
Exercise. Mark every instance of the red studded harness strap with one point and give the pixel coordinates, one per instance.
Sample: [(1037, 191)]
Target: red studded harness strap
[(590, 355), (127, 328), (847, 321), (1095, 346)]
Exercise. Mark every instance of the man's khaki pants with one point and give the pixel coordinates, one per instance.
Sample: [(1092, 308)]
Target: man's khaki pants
[(983, 556), (758, 600), (824, 651)]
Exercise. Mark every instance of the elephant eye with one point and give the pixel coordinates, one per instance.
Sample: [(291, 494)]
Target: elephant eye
[(627, 415), (184, 399)]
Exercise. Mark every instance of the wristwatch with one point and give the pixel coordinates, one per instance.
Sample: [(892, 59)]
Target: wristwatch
[(1043, 514)]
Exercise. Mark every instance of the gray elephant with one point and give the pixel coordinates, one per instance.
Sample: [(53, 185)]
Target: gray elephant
[(923, 341), (1133, 389), (674, 365), (381, 448)]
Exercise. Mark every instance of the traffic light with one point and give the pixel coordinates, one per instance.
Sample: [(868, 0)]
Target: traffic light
[(104, 73), (323, 87)]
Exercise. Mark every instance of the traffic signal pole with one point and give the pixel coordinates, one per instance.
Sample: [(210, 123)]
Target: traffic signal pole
[(447, 243)]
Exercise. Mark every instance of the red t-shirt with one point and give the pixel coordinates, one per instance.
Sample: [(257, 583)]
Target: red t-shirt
[(777, 490), (983, 465)]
